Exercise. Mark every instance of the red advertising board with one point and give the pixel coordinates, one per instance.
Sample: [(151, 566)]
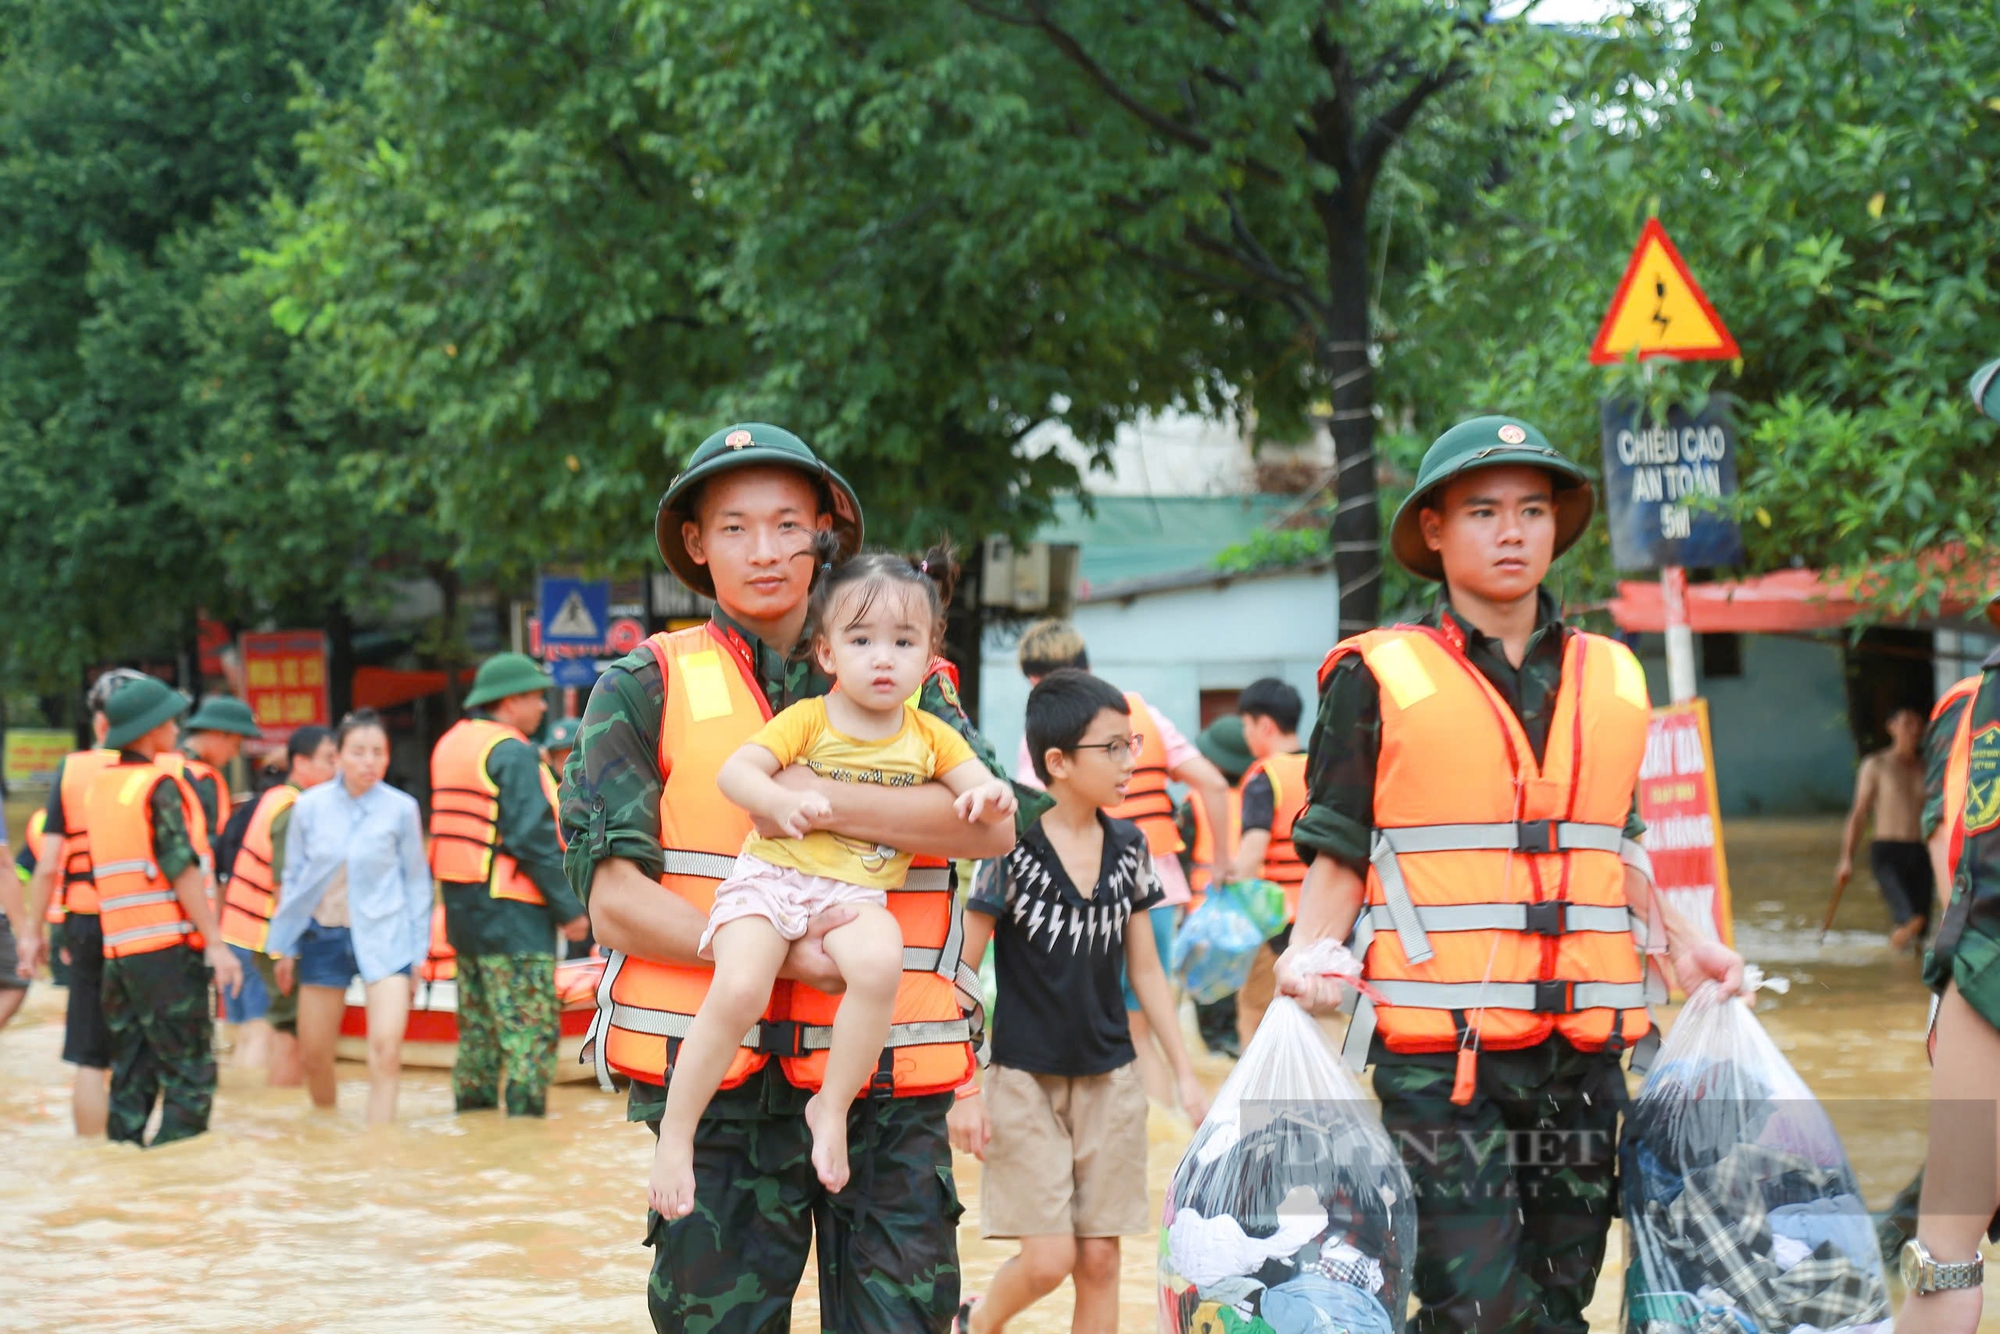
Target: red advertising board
[(1683, 822), (284, 681)]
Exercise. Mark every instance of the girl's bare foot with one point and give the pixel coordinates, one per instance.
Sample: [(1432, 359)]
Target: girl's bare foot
[(829, 1128), (670, 1190)]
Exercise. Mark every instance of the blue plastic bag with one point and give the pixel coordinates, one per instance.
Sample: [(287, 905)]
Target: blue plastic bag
[(1216, 944)]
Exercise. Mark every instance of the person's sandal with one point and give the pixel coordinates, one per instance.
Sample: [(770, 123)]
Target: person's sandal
[(962, 1322)]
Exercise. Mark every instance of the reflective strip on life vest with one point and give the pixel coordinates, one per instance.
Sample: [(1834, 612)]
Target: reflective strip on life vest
[(926, 880), (145, 868), (811, 1037), (1533, 997), (141, 900), (708, 865), (177, 928), (1537, 836), (664, 1024)]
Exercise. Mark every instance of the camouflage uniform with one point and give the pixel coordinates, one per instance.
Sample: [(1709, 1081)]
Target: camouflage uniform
[(1966, 950), (1511, 1226), (156, 1006), (507, 1009), (1501, 1244), (887, 1244), (507, 1024), (1899, 1222)]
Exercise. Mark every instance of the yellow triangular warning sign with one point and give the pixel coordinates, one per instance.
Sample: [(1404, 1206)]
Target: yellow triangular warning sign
[(1660, 311)]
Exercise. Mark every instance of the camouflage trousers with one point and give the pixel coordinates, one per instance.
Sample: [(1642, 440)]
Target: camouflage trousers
[(1515, 1192), (157, 1009), (507, 1030), (887, 1244)]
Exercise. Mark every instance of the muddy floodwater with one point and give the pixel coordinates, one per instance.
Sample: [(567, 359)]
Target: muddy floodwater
[(284, 1220)]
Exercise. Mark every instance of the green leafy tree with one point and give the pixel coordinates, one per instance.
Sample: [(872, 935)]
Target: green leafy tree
[(1238, 153), (572, 241), (1828, 172), (124, 127)]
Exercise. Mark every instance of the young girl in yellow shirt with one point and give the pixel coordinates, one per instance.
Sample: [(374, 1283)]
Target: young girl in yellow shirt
[(876, 622)]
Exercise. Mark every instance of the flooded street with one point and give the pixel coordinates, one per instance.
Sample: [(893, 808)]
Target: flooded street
[(282, 1220)]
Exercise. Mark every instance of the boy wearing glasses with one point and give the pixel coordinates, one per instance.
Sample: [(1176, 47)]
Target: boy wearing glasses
[(1061, 1123)]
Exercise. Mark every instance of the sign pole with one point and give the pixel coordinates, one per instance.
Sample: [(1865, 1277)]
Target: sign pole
[(1680, 636)]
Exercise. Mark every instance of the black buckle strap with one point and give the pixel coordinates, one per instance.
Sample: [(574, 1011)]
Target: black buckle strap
[(673, 1054), (1544, 919), (781, 1037), (882, 1084), (1554, 997), (1535, 836)]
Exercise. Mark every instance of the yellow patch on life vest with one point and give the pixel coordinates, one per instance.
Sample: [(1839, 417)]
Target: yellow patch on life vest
[(1982, 781), (1628, 678), (1399, 672), (138, 783), (707, 691)]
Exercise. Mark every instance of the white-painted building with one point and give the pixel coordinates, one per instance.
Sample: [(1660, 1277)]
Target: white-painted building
[(1158, 614)]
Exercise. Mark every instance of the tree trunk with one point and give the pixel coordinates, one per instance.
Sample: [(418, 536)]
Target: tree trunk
[(339, 661), (1356, 531)]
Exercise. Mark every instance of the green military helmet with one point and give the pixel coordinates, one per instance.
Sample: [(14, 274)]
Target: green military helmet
[(1985, 388), (1221, 744), (748, 445), (506, 674), (223, 713), (562, 734), (137, 707), (1489, 442)]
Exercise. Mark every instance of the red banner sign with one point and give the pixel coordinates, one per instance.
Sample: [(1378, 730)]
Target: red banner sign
[(284, 681), (1683, 822)]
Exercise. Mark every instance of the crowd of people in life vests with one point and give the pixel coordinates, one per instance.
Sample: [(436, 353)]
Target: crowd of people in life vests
[(766, 815), (317, 904)]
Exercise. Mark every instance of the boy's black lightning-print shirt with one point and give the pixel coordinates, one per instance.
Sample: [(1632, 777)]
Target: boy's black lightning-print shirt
[(1057, 954)]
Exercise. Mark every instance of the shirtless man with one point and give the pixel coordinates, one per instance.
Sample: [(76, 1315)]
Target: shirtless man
[(1891, 785)]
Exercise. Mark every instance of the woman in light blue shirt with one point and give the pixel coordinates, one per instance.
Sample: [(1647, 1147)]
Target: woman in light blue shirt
[(357, 900)]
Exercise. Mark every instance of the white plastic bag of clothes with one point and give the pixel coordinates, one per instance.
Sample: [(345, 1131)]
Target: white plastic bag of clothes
[(1742, 1211), (1290, 1213)]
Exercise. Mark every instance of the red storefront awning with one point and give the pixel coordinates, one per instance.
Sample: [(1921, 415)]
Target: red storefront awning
[(1789, 601), (385, 688)]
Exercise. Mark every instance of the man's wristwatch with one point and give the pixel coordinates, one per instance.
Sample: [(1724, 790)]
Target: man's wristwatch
[(1923, 1274)]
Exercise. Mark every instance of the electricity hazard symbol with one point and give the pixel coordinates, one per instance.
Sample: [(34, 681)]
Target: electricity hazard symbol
[(1660, 310)]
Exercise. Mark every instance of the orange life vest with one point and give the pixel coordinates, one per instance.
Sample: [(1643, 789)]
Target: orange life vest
[(75, 893), (465, 812), (1146, 801), (1288, 797), (1957, 769), (1495, 911), (440, 960), (137, 904), (713, 705), (1957, 764), (1205, 851), (252, 893), (190, 768)]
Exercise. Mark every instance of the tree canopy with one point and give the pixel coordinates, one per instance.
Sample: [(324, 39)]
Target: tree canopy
[(303, 294)]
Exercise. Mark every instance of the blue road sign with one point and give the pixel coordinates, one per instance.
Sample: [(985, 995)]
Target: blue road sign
[(579, 672), (1663, 484), (573, 611)]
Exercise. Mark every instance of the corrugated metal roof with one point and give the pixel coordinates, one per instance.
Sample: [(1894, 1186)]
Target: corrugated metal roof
[(1141, 537)]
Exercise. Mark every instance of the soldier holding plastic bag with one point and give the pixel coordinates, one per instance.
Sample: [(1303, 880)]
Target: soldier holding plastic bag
[(1470, 820)]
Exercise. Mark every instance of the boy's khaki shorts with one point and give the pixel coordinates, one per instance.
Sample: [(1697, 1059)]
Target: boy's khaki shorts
[(1068, 1156)]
